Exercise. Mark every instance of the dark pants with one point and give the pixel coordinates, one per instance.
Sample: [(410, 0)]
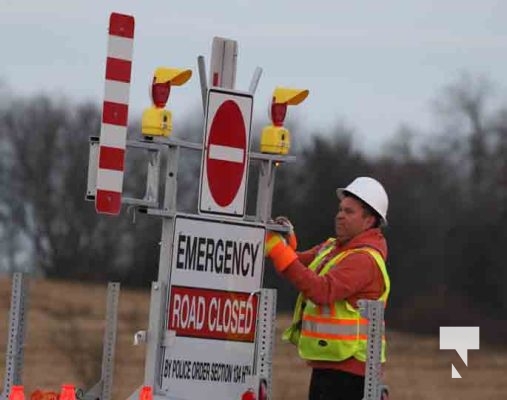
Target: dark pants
[(329, 384)]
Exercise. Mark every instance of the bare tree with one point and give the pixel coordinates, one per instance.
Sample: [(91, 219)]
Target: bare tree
[(466, 111), (45, 221)]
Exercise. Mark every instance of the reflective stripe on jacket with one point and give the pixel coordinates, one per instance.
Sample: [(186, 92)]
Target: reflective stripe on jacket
[(333, 332)]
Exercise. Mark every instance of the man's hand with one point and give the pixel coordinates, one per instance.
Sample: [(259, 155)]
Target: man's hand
[(277, 249), (291, 235)]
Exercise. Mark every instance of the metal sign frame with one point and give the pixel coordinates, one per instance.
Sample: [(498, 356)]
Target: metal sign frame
[(163, 205)]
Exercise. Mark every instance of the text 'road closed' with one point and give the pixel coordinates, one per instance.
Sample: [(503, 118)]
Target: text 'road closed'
[(212, 314)]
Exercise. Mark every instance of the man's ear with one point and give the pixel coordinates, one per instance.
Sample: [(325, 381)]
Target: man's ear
[(371, 221)]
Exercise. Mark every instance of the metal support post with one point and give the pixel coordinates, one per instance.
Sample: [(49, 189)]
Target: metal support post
[(204, 86), (374, 312), (113, 293), (267, 169), (265, 190), (15, 340), (102, 390), (159, 290), (154, 334), (171, 181), (255, 80), (153, 178), (265, 341)]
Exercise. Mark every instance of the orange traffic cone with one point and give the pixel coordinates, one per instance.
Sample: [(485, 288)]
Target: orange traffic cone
[(68, 392), (146, 393), (17, 393)]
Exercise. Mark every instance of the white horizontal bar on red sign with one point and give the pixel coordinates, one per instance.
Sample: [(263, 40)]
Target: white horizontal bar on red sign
[(226, 153), (113, 133), (212, 314)]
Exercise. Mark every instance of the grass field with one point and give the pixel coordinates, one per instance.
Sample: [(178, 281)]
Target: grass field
[(64, 345)]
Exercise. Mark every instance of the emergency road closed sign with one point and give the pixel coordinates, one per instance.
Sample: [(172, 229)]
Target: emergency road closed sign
[(224, 164), (216, 275)]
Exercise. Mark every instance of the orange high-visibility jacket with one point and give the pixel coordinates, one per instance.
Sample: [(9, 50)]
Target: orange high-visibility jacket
[(354, 277)]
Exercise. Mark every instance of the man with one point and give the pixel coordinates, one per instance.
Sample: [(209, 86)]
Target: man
[(331, 277)]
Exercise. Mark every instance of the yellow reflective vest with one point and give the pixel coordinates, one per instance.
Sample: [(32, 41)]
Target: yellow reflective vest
[(333, 332)]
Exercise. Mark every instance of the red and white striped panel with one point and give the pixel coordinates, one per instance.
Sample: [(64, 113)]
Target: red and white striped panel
[(113, 133)]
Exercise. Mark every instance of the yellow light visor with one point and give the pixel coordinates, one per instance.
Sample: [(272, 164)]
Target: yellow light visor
[(176, 76), (290, 96)]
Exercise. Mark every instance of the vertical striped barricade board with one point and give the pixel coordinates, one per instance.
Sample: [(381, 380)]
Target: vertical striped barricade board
[(113, 133)]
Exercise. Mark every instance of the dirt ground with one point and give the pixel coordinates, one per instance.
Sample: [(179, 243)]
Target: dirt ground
[(64, 345)]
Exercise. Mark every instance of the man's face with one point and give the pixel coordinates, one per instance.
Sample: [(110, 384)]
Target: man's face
[(351, 220)]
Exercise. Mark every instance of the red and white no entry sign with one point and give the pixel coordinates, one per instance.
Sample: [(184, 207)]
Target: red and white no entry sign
[(225, 158), (226, 155)]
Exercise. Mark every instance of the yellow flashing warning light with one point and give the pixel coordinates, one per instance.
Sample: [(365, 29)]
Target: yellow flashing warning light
[(275, 138), (156, 120)]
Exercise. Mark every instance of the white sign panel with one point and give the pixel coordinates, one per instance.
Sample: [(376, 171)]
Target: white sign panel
[(216, 273), (224, 167)]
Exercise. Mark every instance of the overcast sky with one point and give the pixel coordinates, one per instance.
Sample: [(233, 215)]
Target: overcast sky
[(373, 64)]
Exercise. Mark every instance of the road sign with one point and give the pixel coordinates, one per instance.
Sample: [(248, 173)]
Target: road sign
[(216, 275), (113, 133), (224, 166)]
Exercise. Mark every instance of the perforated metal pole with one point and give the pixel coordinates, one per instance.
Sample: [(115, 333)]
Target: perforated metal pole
[(374, 312), (266, 337), (15, 340), (102, 390), (113, 293)]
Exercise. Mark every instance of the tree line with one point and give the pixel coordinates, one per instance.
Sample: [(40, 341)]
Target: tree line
[(447, 212)]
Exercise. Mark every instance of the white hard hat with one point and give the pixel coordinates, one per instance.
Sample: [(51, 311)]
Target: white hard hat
[(371, 192)]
